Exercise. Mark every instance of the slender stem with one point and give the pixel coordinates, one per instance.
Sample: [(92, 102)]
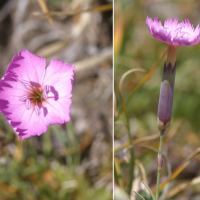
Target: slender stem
[(159, 161), (132, 161), (117, 172), (158, 183), (171, 55)]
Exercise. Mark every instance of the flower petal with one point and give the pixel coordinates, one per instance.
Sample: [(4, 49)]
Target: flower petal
[(26, 120), (174, 33), (27, 67), (57, 112), (60, 76)]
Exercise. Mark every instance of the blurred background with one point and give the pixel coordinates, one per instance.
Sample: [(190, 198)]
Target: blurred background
[(71, 161), (135, 47)]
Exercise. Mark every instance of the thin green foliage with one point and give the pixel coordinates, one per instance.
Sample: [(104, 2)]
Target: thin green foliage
[(151, 193), (139, 195)]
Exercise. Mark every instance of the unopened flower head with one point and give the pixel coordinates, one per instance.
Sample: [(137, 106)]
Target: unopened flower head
[(174, 33), (33, 97)]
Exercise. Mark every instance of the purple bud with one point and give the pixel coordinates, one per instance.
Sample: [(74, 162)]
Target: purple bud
[(166, 97)]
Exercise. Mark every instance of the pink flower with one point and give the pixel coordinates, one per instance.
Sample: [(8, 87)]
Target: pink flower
[(34, 97), (174, 33)]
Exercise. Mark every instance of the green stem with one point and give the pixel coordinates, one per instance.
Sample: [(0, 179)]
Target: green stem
[(132, 161), (159, 165), (117, 173)]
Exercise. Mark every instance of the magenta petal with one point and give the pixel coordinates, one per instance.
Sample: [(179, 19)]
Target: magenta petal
[(63, 72), (174, 33), (27, 66), (27, 123), (59, 109), (11, 89)]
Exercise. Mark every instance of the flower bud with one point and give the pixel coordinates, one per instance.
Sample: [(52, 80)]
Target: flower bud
[(166, 97)]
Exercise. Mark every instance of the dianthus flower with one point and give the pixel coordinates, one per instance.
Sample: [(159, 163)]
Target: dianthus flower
[(33, 97), (174, 34)]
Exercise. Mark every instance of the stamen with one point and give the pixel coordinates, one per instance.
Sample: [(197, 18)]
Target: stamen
[(183, 33), (26, 83), (176, 35), (23, 98), (28, 104), (178, 29), (37, 110), (45, 92), (47, 88)]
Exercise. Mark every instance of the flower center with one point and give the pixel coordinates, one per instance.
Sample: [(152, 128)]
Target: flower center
[(35, 95), (179, 30)]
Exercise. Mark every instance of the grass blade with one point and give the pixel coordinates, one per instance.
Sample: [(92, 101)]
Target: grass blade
[(149, 190), (139, 195)]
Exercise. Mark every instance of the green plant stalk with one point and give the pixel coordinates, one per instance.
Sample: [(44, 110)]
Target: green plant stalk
[(159, 165), (73, 143), (132, 161), (117, 173)]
